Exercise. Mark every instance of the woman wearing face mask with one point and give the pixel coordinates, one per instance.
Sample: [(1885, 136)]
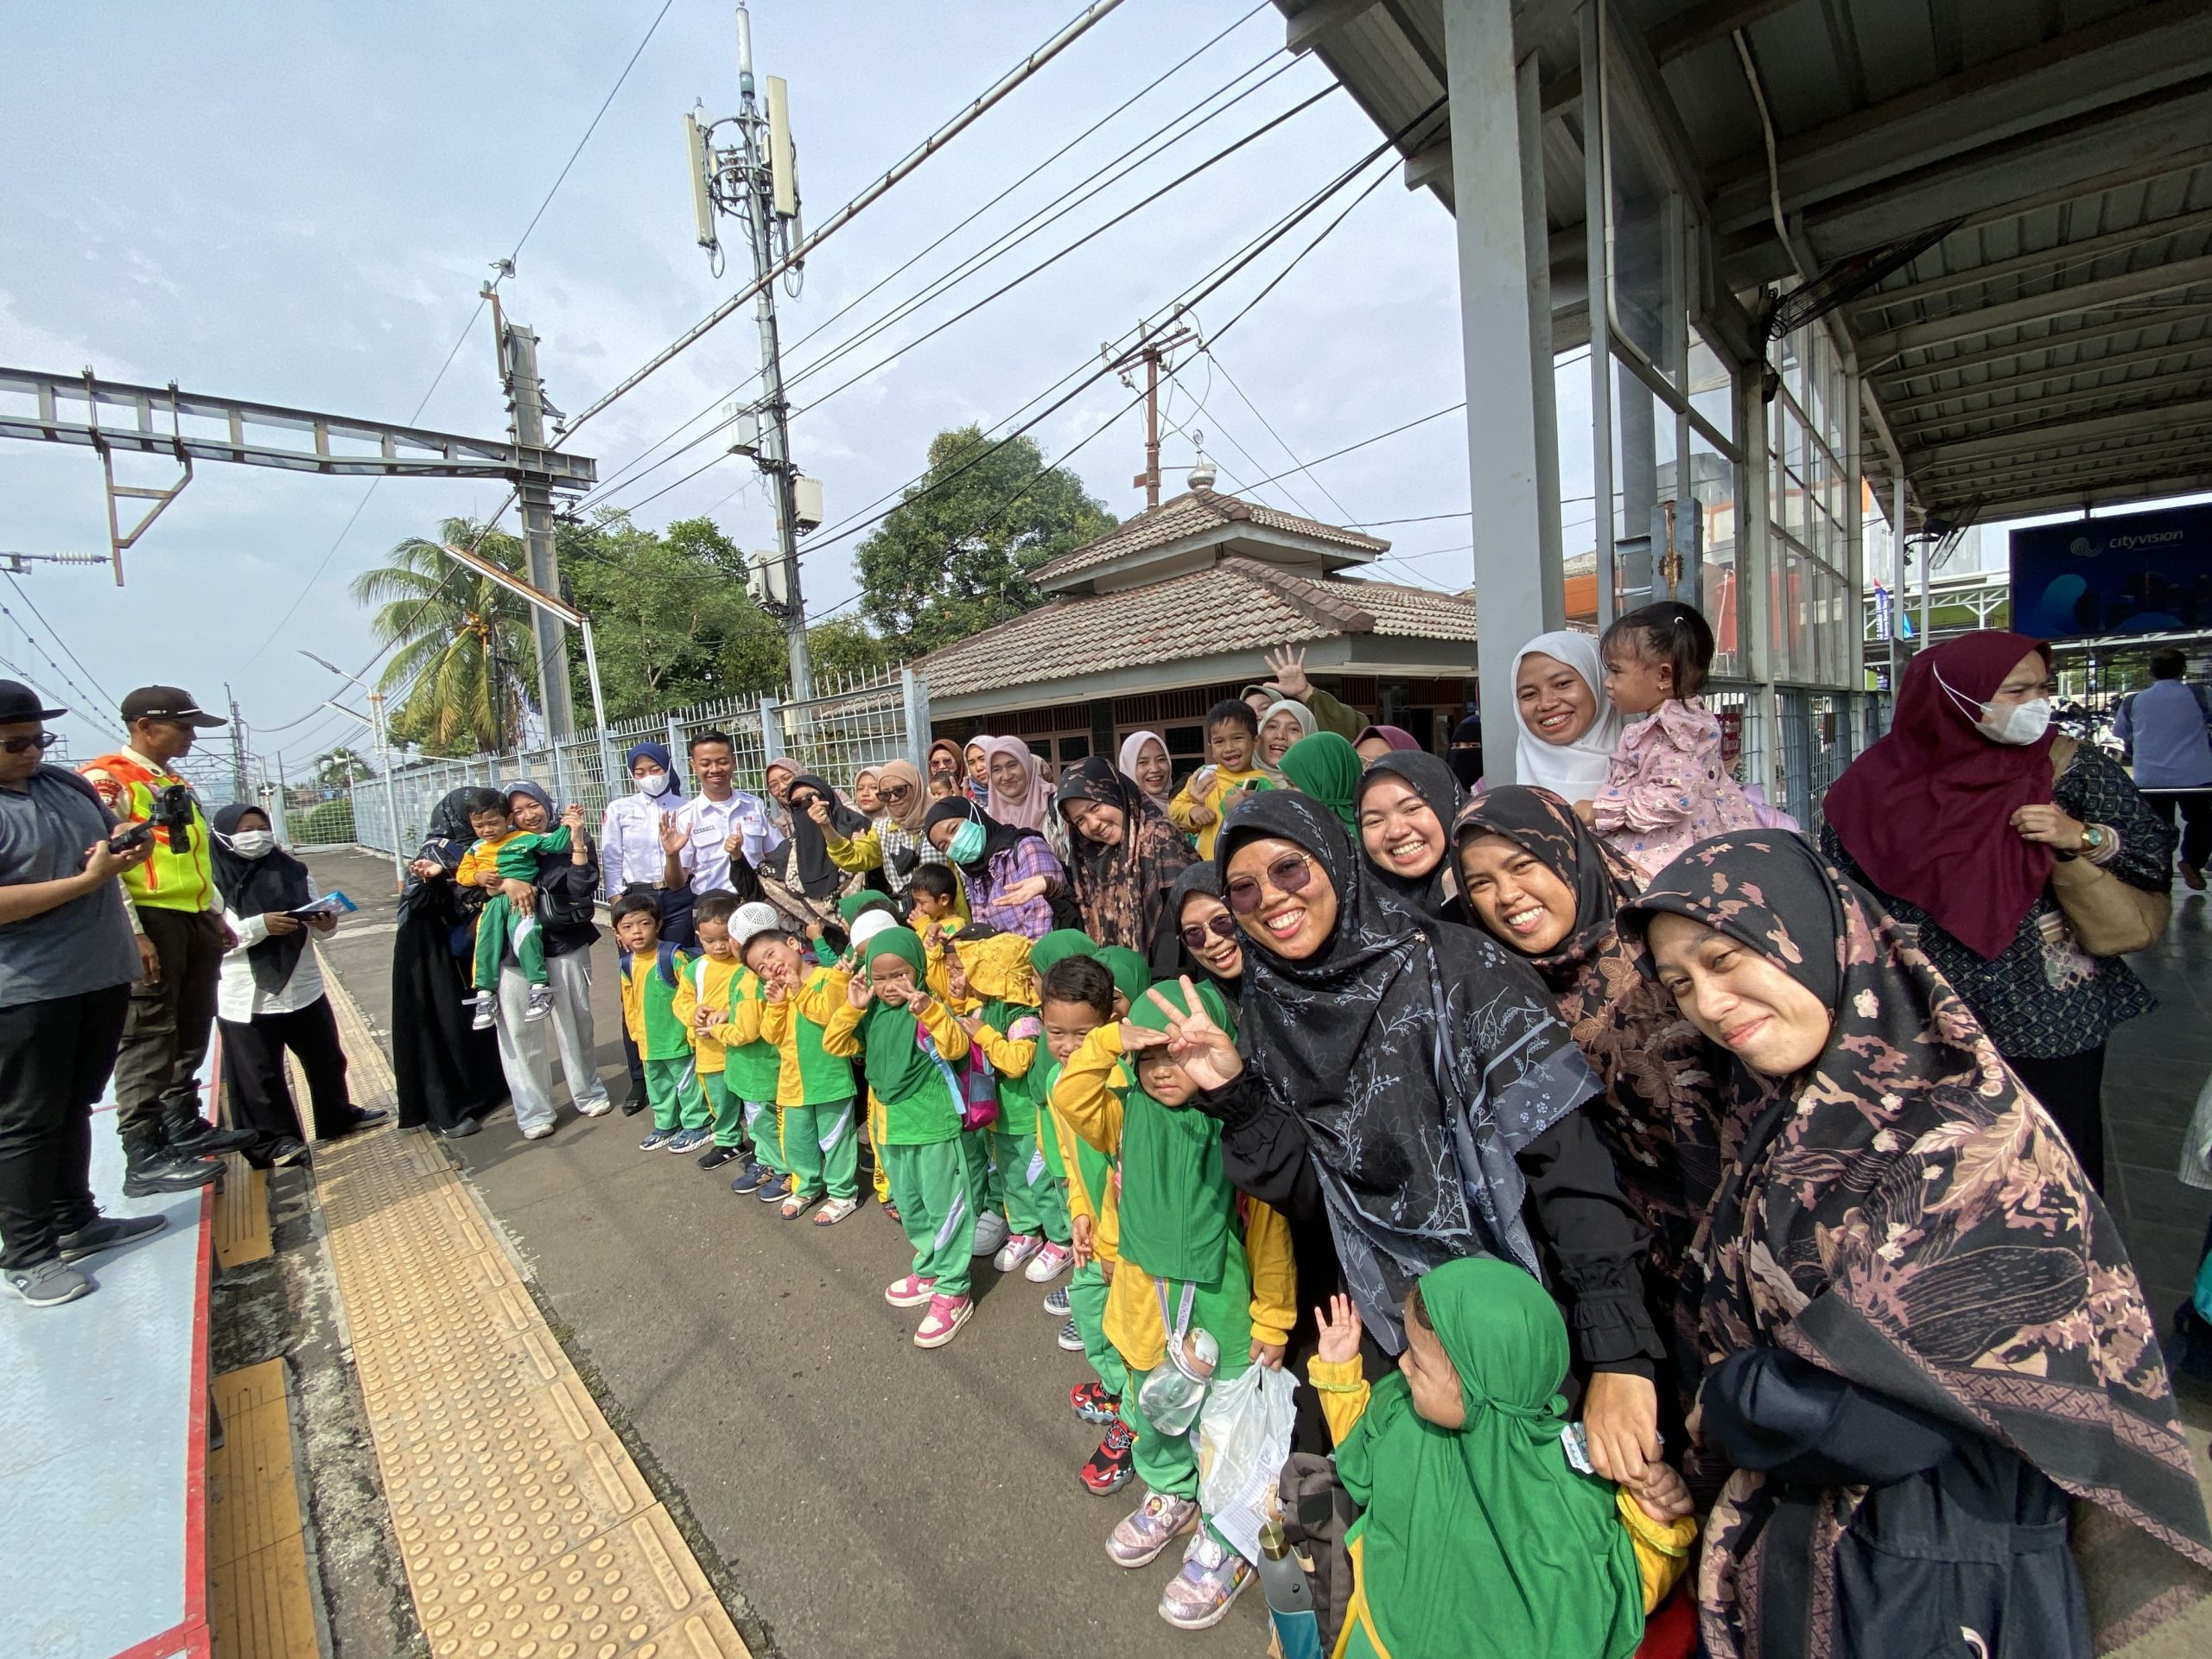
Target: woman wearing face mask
[(269, 997), (1919, 1332), (1012, 881), (633, 830), (1956, 823)]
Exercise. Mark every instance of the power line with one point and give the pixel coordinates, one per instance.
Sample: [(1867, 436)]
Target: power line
[(1433, 414), (468, 328), (21, 594)]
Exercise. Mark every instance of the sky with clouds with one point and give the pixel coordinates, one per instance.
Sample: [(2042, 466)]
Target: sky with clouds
[(297, 205)]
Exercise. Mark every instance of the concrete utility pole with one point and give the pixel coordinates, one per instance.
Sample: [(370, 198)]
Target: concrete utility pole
[(1150, 350), (534, 500), (238, 746)]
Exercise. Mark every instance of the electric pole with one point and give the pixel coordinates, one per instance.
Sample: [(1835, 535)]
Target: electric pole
[(237, 748), (755, 181), (1149, 351), (526, 400)]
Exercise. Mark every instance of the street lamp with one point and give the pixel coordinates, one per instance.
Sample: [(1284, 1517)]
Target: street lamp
[(383, 758)]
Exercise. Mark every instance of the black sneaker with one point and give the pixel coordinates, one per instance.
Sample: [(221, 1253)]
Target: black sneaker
[(105, 1232), (49, 1284), (195, 1137), (286, 1151), (716, 1157), (632, 1108), (463, 1128), (167, 1172)]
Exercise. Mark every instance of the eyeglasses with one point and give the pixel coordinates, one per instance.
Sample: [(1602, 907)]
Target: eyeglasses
[(1292, 873), (1221, 927), (894, 791), (43, 742)]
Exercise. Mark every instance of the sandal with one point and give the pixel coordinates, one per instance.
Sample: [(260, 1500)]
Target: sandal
[(798, 1204), (834, 1211)]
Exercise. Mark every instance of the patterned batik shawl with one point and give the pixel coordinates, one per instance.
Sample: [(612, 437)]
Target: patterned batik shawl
[(1662, 1082), (1904, 1214), (1123, 890), (1417, 1055)]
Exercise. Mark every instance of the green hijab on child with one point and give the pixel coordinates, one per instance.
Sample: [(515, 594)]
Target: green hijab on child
[(1132, 973), (1327, 768), (1058, 946), (1488, 1527), (899, 1068), (1177, 1203)]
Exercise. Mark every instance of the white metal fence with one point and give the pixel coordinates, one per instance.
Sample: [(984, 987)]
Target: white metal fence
[(833, 735)]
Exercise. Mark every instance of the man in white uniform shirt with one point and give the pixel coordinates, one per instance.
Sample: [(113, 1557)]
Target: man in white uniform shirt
[(721, 822)]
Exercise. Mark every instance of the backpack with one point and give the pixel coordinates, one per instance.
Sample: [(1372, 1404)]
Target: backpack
[(974, 1086), (666, 955), (1317, 1513)]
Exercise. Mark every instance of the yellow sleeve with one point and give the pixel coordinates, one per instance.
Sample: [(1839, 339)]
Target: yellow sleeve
[(470, 867), (822, 994), (745, 1019), (1180, 808), (1662, 1548), (944, 1031), (841, 1033), (1084, 1099), (863, 852), (1009, 1056), (633, 1009), (1274, 1275), (1343, 1391), (684, 1005), (776, 1022)]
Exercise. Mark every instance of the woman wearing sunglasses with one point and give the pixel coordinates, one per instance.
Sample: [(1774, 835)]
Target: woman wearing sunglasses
[(1126, 857), (1412, 1079), (892, 843), (1212, 945)]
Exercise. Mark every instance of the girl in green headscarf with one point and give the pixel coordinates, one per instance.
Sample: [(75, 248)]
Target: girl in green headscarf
[(1479, 1538), (908, 1042), (1327, 768), (1132, 973), (1193, 1256)]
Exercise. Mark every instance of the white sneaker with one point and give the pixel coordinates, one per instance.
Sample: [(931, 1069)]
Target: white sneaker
[(538, 1132), (483, 1021), (990, 1233), (599, 1106), (1017, 1250), (1049, 1263)]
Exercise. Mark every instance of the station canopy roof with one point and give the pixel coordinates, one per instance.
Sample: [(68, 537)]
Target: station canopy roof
[(2050, 346)]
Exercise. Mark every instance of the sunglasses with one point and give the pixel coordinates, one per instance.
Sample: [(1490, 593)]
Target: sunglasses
[(1292, 873), (894, 791), (43, 742), (1221, 927)]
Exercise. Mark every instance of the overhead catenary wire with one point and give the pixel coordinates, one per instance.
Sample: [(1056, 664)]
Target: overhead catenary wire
[(67, 651)]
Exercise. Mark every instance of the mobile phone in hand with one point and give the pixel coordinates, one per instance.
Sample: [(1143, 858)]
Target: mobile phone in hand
[(130, 837)]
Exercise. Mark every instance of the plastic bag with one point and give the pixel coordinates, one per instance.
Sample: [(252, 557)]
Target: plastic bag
[(1243, 1442), (2196, 1141)]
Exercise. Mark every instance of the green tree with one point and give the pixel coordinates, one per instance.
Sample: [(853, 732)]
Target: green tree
[(671, 615), (956, 554), (464, 646), (846, 650), (337, 767)]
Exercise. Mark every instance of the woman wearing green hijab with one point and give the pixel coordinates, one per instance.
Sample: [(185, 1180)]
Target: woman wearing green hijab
[(1477, 1537), (908, 1042), (1327, 768)]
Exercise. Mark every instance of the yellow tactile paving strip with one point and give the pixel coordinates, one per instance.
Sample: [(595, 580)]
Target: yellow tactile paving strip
[(260, 1605), (241, 1214), (525, 1528)]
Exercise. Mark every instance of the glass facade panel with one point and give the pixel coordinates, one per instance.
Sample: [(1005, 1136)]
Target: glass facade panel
[(1712, 484), (1713, 392)]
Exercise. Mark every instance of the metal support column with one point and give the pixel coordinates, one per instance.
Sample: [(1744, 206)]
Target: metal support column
[(1506, 344), (526, 396), (1598, 253)]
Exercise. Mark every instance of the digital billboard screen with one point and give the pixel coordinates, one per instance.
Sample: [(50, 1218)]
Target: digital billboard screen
[(2130, 572)]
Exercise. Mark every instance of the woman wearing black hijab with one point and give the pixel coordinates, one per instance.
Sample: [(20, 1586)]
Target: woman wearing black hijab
[(269, 996), (1404, 806), (1211, 944), (1124, 858), (800, 877), (1413, 1079), (448, 1074)]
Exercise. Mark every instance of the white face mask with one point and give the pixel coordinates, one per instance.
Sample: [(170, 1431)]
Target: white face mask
[(2017, 725), (650, 783), (253, 843)]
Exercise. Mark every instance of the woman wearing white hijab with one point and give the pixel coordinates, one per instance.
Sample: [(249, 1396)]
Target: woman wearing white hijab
[(1569, 727), (1153, 773)]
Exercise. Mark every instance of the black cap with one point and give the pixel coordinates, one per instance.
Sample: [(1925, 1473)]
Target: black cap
[(166, 702), (19, 704)]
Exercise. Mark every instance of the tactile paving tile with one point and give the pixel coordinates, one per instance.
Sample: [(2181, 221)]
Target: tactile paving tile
[(260, 1603), (527, 1529), (241, 1214)]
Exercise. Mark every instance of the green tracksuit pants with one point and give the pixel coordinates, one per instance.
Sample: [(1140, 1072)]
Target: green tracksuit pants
[(983, 1179), (726, 1110), (821, 1146), (495, 927), (764, 1129), (1169, 1463), (1035, 1201), (936, 1208), (672, 1089), (1087, 1289)]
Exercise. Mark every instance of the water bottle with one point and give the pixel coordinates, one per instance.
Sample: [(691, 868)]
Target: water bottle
[(1174, 1390), (1290, 1597)]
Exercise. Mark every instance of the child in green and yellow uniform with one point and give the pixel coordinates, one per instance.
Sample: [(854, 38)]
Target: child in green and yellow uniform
[(513, 853), (652, 971), (703, 1002), (814, 1089), (1077, 998), (755, 1065), (1194, 1257), (853, 907), (908, 1041)]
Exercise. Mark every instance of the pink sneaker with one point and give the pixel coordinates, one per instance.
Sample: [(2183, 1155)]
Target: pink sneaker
[(1017, 1250), (946, 1315), (1212, 1576), (1138, 1538), (910, 1291), (1050, 1262)]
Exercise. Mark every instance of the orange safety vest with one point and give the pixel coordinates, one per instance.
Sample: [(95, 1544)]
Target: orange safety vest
[(170, 879)]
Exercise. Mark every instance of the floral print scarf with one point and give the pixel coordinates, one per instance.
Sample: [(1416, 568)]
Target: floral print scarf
[(1903, 1213), (1123, 890)]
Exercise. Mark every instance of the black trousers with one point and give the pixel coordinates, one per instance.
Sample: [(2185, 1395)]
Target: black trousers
[(56, 1057), (170, 1024), (2194, 808), (253, 1073), (2072, 1090)]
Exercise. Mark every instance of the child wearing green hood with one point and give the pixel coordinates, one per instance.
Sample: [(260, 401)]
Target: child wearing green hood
[(1195, 1258), (908, 1042), (1477, 1539)]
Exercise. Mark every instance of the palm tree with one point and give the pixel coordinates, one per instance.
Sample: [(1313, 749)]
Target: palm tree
[(339, 767), (465, 647)]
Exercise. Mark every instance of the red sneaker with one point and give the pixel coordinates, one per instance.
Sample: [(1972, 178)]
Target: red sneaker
[(1113, 1464), (1094, 1405)]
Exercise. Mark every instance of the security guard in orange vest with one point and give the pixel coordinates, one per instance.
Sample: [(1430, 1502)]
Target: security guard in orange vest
[(178, 917)]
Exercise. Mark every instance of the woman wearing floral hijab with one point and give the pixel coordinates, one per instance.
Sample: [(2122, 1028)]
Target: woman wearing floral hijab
[(1919, 1328), (1127, 855)]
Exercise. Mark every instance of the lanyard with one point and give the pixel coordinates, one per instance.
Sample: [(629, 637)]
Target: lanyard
[(1179, 1326)]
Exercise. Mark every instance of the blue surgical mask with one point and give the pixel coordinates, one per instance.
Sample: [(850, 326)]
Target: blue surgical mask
[(967, 844)]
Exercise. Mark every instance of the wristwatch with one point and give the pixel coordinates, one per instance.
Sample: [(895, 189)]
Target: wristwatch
[(2094, 839)]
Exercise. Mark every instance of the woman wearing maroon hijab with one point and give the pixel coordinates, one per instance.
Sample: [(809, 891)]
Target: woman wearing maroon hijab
[(1954, 820)]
